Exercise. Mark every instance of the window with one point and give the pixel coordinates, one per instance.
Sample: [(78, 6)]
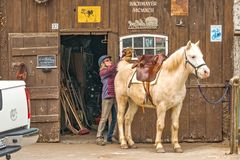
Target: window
[(144, 44)]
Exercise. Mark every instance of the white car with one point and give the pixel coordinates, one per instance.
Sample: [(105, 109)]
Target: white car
[(15, 114)]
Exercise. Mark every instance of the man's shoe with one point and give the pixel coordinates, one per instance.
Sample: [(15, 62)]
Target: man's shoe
[(109, 141), (100, 141)]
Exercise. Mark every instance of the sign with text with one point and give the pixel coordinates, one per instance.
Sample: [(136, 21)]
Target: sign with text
[(46, 61), (179, 7), (55, 26), (89, 14), (143, 6)]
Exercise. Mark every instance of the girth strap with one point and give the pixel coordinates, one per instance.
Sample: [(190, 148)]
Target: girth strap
[(146, 86)]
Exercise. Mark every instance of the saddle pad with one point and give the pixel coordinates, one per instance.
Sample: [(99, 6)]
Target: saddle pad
[(134, 78)]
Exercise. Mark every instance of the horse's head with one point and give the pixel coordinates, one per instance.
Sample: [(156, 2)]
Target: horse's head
[(194, 61)]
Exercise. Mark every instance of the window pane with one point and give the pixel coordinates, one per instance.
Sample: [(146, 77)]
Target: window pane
[(149, 42), (149, 51), (138, 42), (127, 42), (138, 52), (161, 50), (160, 42)]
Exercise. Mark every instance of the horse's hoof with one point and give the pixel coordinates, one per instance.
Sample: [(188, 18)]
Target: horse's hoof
[(133, 146), (178, 150), (160, 150), (124, 146)]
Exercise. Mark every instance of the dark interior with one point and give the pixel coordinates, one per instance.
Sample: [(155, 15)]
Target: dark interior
[(80, 76)]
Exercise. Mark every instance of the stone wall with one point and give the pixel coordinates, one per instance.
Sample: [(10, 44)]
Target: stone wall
[(236, 44)]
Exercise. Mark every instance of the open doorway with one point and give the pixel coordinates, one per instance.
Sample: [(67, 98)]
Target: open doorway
[(80, 83)]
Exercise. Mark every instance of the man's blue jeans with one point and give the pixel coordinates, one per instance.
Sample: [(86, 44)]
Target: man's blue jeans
[(112, 128)]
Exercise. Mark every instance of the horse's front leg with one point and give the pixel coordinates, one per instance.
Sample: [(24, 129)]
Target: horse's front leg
[(161, 112), (121, 104), (132, 109), (175, 126)]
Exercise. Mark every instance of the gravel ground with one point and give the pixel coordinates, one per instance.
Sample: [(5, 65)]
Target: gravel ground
[(90, 151)]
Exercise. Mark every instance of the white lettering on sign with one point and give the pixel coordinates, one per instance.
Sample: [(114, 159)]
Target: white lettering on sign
[(146, 3), (143, 10), (143, 7)]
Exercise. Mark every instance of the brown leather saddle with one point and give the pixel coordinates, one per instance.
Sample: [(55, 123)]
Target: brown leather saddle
[(147, 67)]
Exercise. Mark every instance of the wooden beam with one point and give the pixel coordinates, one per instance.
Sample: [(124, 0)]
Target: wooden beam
[(235, 82), (85, 31)]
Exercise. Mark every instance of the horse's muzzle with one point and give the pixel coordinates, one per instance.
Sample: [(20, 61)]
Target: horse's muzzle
[(203, 72)]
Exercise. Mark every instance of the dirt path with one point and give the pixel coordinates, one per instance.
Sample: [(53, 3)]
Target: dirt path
[(89, 151)]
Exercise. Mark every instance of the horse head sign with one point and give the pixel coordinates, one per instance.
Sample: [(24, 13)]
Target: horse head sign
[(167, 93)]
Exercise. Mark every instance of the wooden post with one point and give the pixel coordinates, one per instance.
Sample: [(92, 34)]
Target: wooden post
[(235, 82)]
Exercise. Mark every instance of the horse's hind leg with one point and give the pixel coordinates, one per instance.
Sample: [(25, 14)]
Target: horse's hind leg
[(175, 126), (132, 109), (121, 105)]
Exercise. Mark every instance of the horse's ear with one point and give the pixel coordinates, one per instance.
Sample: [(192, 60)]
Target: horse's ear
[(197, 43), (189, 45)]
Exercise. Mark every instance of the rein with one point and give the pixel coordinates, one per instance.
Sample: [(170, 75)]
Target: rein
[(227, 87), (227, 92)]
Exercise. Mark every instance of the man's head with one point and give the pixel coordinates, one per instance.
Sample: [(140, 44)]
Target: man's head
[(106, 59)]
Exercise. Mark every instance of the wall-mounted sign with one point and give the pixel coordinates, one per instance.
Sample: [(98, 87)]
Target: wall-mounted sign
[(146, 23), (143, 6), (46, 61), (55, 26), (179, 7), (216, 33), (89, 14)]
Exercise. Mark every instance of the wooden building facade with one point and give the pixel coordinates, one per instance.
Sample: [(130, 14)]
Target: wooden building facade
[(30, 29)]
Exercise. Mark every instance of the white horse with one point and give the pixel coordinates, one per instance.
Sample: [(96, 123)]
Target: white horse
[(168, 93)]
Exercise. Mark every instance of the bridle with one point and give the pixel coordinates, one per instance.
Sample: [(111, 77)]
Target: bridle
[(195, 67)]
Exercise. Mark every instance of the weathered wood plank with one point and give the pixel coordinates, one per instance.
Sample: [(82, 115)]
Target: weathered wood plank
[(227, 62), (197, 116), (214, 117), (42, 18), (30, 51), (214, 52), (66, 14), (45, 118), (44, 92)]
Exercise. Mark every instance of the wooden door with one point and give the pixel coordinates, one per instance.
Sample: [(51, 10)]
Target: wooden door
[(43, 83)]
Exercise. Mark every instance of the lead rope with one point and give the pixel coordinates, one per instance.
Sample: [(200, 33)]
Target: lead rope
[(227, 91)]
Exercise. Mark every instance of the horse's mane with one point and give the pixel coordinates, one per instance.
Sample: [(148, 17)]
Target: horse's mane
[(174, 60)]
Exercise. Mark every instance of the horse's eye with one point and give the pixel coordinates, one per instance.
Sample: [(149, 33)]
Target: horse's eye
[(193, 57)]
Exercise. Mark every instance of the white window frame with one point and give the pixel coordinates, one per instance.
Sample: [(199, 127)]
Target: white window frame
[(144, 35)]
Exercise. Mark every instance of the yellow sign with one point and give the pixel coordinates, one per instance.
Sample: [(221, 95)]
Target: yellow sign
[(89, 14)]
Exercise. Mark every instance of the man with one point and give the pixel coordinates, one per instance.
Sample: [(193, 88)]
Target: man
[(107, 74)]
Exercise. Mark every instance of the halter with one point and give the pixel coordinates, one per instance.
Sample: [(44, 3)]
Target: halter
[(195, 67)]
